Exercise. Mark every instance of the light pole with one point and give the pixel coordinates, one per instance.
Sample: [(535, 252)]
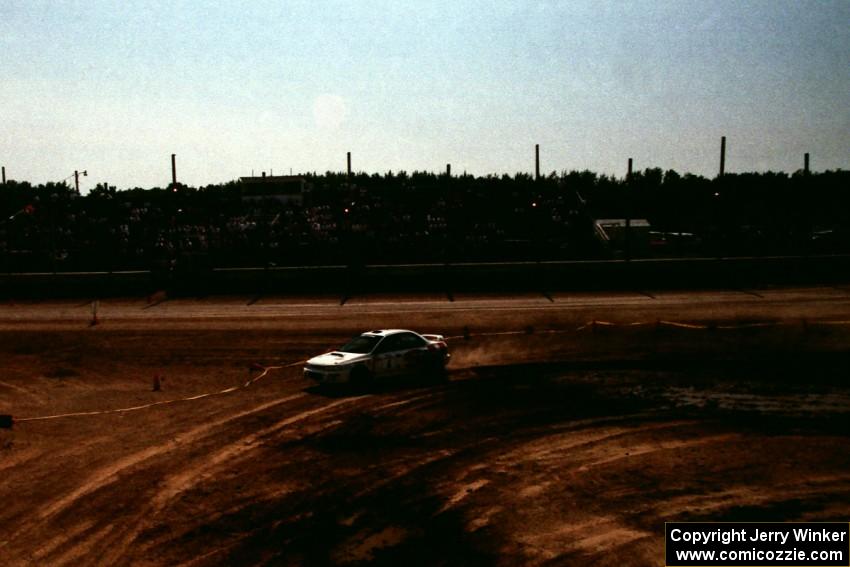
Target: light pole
[(77, 178)]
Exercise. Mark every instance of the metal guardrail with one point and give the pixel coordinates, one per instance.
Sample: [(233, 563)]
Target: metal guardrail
[(545, 275), (515, 264)]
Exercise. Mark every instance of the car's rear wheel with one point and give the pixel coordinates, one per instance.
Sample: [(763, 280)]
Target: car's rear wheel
[(436, 370), (441, 373)]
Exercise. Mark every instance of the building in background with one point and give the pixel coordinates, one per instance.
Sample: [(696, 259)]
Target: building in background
[(286, 189)]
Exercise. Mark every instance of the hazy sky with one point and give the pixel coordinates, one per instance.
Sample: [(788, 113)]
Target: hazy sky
[(231, 87)]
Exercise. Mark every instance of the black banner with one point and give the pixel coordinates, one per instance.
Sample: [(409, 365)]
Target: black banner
[(740, 544)]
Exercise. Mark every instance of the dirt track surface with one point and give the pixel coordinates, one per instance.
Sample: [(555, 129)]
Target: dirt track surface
[(559, 443)]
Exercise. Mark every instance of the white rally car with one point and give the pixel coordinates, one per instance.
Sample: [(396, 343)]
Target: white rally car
[(374, 354)]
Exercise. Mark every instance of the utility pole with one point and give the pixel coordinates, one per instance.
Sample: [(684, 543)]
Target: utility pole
[(722, 155), (348, 159), (627, 239), (805, 165), (448, 170), (536, 161), (4, 174), (173, 172)]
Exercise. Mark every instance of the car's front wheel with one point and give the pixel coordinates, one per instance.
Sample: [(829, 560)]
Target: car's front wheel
[(361, 378)]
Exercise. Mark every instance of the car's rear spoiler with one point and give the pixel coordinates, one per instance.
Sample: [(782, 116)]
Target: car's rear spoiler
[(434, 337)]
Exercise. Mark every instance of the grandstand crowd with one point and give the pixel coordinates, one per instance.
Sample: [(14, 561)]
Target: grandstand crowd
[(421, 218)]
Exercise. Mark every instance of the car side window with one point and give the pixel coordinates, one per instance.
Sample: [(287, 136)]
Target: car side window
[(389, 344), (409, 340)]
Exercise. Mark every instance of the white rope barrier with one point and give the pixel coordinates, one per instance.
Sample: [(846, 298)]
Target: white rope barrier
[(248, 383)]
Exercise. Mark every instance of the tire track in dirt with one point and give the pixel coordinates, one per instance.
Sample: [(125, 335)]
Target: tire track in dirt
[(120, 539), (180, 482), (58, 541), (706, 504), (72, 553), (642, 449), (237, 450), (187, 479), (590, 537), (110, 474), (527, 472), (409, 468), (172, 486), (553, 446), (19, 458)]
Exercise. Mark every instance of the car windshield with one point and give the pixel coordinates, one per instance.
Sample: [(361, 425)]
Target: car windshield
[(361, 345)]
